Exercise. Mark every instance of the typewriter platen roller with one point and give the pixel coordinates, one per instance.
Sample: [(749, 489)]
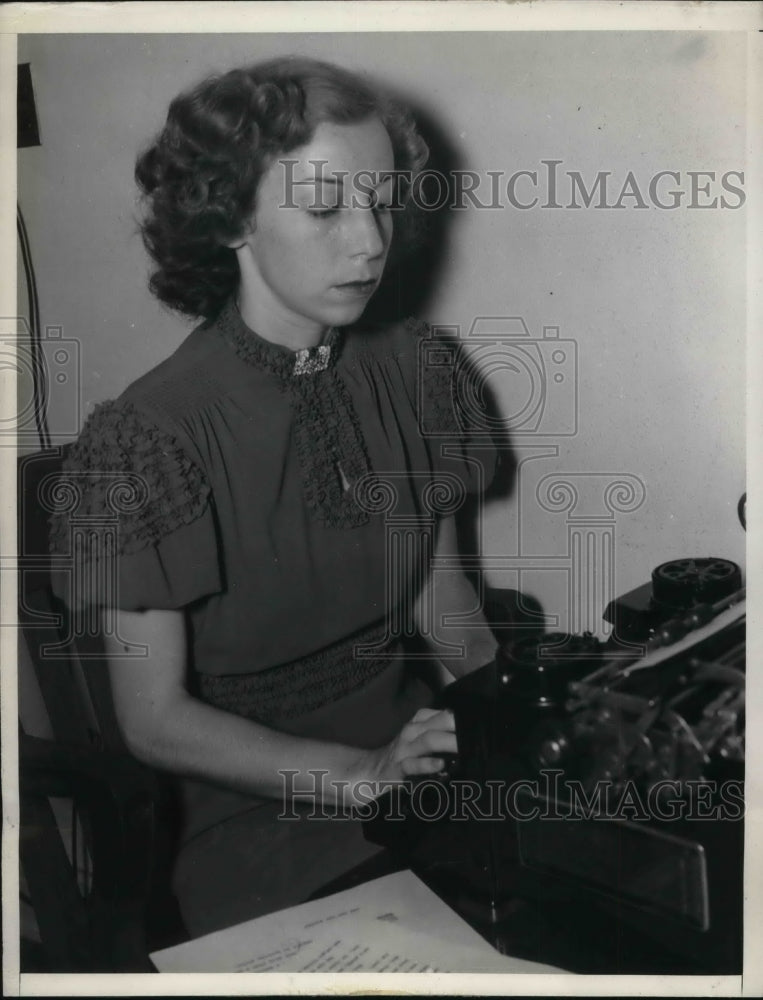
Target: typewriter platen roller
[(606, 772)]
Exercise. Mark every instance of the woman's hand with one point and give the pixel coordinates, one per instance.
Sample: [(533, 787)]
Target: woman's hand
[(419, 749)]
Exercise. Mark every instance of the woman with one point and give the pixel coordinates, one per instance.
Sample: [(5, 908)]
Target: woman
[(275, 452)]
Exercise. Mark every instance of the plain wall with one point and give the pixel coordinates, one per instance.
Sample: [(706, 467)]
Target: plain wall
[(653, 300)]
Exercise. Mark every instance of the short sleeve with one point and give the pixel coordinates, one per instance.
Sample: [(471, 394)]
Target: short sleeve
[(453, 410), (132, 522)]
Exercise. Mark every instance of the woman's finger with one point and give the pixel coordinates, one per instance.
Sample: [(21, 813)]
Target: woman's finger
[(442, 720), (425, 713), (438, 741), (432, 741), (421, 765)]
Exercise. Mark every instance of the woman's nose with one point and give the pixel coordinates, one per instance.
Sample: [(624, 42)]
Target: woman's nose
[(367, 236)]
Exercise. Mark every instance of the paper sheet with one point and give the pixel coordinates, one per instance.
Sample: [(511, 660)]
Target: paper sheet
[(392, 924)]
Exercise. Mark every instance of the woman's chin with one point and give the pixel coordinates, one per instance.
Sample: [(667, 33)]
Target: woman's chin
[(342, 314)]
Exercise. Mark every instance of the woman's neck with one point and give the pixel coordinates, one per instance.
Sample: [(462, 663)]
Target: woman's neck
[(276, 324)]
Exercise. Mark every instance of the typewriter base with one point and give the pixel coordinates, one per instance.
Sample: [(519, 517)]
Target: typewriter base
[(541, 917), (572, 936)]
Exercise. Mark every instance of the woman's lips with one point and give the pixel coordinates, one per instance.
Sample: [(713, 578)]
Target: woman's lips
[(357, 289)]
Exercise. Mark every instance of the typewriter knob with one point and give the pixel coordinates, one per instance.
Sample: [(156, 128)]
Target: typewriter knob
[(682, 583)]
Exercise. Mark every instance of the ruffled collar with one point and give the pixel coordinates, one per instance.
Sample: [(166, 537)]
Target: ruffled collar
[(327, 434), (282, 361)]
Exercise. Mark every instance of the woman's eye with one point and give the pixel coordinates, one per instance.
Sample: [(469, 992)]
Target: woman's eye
[(322, 213)]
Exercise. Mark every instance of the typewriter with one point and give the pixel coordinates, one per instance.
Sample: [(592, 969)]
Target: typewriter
[(603, 774)]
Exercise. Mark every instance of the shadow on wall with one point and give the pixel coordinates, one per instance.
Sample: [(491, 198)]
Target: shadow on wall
[(417, 264), (418, 257), (419, 248)]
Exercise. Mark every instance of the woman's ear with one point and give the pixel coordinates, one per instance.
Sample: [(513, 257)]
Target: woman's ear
[(240, 241)]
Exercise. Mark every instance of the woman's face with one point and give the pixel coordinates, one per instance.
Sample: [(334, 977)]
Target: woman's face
[(321, 231)]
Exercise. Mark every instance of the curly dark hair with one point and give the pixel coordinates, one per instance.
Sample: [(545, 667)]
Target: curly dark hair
[(199, 177)]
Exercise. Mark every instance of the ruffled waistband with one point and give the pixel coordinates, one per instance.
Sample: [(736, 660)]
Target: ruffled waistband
[(293, 689)]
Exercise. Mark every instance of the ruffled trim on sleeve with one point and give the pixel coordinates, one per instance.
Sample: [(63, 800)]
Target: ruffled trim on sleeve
[(126, 468), (438, 405), (439, 369), (448, 398)]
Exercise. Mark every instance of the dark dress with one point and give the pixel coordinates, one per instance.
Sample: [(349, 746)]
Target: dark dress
[(288, 502)]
